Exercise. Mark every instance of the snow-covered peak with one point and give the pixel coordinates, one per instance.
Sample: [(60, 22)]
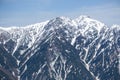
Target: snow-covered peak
[(64, 18), (61, 20), (82, 17), (85, 22)]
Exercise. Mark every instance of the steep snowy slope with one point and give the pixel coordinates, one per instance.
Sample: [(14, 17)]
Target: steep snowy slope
[(60, 49)]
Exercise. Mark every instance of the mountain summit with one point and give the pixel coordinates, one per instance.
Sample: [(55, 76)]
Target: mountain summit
[(60, 49)]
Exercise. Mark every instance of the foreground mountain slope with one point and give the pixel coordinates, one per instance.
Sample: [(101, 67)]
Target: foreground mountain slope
[(60, 49)]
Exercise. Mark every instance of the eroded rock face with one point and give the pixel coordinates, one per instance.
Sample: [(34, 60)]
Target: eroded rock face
[(60, 49)]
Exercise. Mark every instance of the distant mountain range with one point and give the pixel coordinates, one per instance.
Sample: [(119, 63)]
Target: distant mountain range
[(61, 49)]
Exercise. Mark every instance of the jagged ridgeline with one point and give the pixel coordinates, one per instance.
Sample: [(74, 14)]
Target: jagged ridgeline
[(60, 49)]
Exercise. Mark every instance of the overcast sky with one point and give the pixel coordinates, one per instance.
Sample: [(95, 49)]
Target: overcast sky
[(25, 12)]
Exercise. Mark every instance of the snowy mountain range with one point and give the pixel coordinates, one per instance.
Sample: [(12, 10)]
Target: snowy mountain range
[(61, 49)]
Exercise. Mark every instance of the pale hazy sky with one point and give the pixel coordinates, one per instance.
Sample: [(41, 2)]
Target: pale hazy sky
[(24, 12)]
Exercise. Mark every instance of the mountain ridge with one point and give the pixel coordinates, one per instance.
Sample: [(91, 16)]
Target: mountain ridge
[(61, 49)]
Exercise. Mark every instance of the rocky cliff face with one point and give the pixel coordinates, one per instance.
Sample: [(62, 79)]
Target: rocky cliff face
[(60, 49)]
